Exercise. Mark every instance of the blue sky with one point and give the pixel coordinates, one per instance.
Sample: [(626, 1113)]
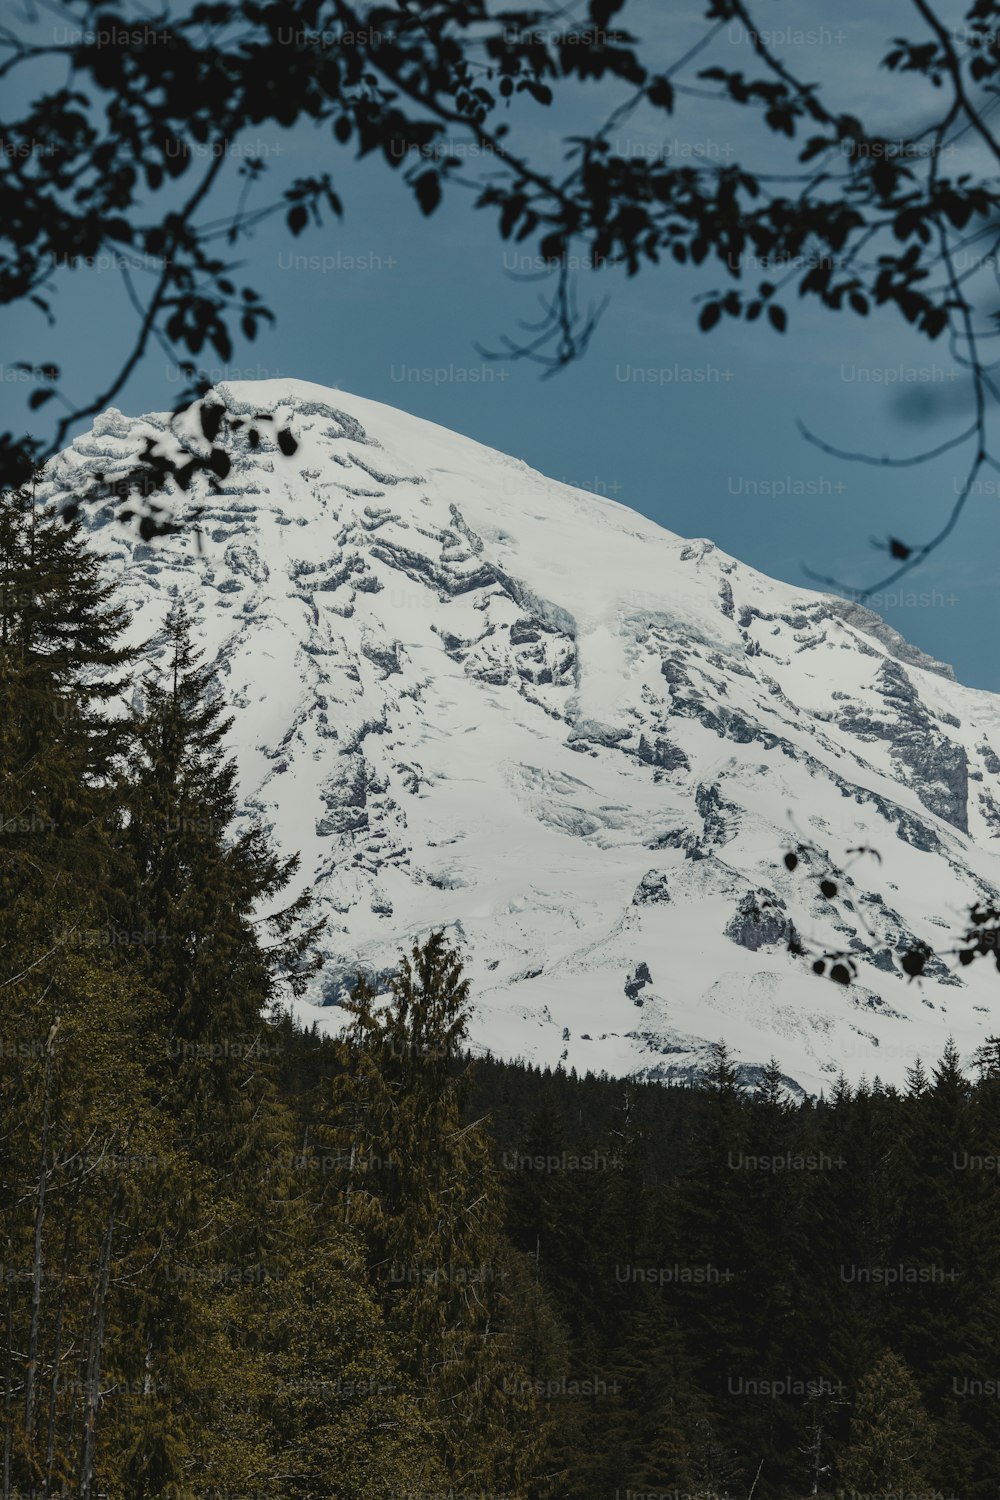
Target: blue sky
[(697, 431)]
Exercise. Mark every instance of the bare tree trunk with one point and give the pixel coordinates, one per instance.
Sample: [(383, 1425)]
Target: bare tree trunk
[(50, 1437), (8, 1400), (92, 1382), (30, 1381), (350, 1185), (817, 1457)]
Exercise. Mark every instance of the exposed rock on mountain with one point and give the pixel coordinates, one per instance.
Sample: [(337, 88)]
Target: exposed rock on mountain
[(475, 698)]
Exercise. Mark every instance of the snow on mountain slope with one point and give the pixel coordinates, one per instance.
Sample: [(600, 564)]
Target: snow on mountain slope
[(473, 697)]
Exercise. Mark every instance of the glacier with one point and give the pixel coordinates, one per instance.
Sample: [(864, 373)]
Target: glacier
[(474, 698)]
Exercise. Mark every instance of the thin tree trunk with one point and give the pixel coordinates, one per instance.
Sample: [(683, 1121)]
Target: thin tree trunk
[(50, 1437), (93, 1376), (8, 1400), (36, 1262)]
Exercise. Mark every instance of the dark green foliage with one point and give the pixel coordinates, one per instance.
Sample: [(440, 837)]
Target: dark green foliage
[(782, 1251), (423, 1193), (891, 1435), (181, 1315), (60, 661)]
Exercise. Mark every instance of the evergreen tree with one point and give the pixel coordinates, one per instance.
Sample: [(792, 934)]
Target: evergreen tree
[(66, 1022), (196, 885), (891, 1434), (714, 1230), (61, 661), (200, 901), (945, 1238), (423, 1191)]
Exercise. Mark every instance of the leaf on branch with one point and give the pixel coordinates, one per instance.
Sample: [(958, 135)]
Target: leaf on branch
[(661, 94), (211, 415), (428, 190), (914, 960), (601, 11), (934, 321)]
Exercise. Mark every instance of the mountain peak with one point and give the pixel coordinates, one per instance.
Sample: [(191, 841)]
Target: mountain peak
[(474, 698)]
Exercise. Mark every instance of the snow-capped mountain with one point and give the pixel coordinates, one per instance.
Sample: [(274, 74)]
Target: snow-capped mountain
[(475, 698)]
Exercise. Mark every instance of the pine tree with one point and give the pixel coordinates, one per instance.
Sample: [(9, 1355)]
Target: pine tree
[(200, 899), (67, 1023), (197, 884), (943, 1322), (713, 1227), (422, 1190), (61, 662), (891, 1434)]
